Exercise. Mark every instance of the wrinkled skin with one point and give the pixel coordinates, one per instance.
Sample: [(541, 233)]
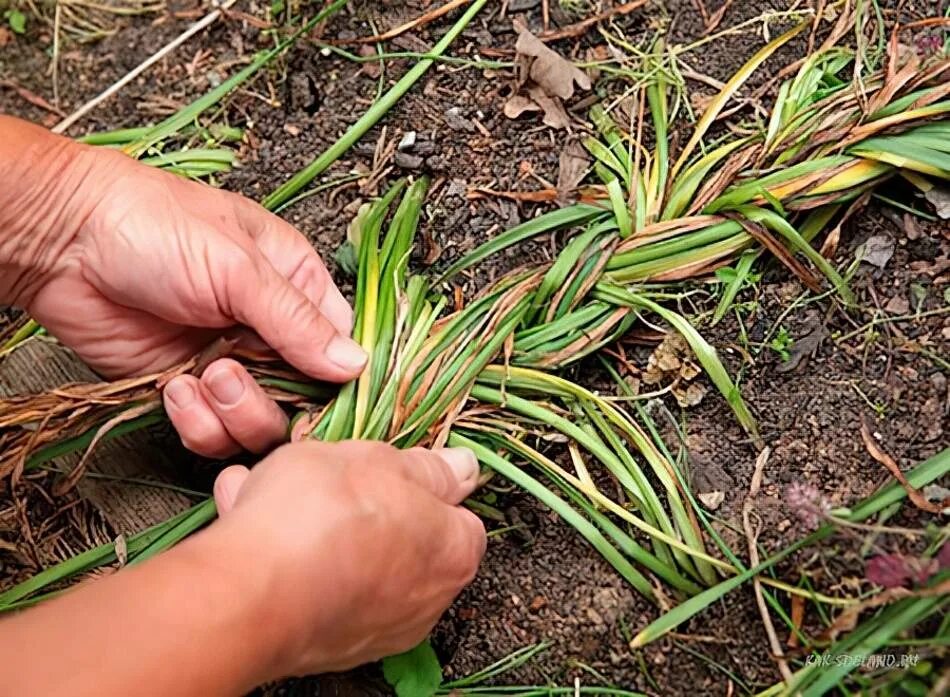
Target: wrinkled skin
[(158, 266)]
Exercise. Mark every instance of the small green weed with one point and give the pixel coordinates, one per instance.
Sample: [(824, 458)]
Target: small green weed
[(782, 343)]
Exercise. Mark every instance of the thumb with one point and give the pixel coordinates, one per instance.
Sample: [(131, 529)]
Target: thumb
[(449, 474), (227, 487), (291, 324)]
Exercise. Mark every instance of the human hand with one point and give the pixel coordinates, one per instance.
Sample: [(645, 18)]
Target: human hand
[(137, 269), (362, 546), (325, 556)]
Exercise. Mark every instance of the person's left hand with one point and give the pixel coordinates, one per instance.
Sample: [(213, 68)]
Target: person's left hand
[(147, 268)]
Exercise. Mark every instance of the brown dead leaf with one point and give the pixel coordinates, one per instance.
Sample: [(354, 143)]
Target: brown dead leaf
[(875, 451), (689, 395), (554, 114), (939, 197), (848, 619), (805, 347), (550, 71), (542, 196), (898, 305), (911, 227), (518, 105), (31, 97), (933, 269), (572, 167), (711, 499)]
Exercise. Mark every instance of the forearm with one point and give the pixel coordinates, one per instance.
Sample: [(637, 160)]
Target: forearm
[(40, 174), (181, 624)]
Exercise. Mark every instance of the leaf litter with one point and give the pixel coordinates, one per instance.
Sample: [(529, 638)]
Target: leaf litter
[(544, 80)]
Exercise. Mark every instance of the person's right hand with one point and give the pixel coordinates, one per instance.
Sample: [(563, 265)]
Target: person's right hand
[(358, 546)]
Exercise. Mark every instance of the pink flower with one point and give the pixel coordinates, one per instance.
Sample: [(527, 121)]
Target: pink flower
[(806, 502), (896, 570)]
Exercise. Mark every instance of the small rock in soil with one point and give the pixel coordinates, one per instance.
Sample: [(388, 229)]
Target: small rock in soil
[(898, 305), (878, 250), (407, 161), (457, 122), (407, 142)]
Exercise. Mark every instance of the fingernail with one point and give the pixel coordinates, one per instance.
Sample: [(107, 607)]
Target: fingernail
[(226, 386), (180, 393), (346, 354), (461, 461), (337, 310)]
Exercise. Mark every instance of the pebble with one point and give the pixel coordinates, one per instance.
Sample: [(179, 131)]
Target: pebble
[(408, 140), (407, 161)]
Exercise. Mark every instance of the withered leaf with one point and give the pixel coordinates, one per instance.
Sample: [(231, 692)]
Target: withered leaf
[(553, 73), (803, 348), (554, 114), (939, 197), (518, 105), (572, 167), (690, 396)]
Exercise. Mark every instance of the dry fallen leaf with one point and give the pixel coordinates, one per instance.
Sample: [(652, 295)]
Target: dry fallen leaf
[(554, 114), (550, 71), (518, 105), (572, 167), (371, 69), (898, 305), (911, 227), (939, 197), (690, 396), (544, 79), (711, 499)]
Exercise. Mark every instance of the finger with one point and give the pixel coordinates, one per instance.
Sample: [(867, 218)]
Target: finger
[(462, 545), (228, 485), (250, 417), (450, 474), (294, 258), (200, 429), (284, 317)]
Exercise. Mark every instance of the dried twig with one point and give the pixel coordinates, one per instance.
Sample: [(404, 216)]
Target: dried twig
[(419, 21), (717, 16), (874, 450), (201, 24), (752, 537), (574, 30)]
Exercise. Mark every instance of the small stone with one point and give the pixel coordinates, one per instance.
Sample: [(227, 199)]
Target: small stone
[(898, 305), (291, 129), (538, 602), (712, 499), (407, 161), (522, 5), (457, 122), (408, 140)]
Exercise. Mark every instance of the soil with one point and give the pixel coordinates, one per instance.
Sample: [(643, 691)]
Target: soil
[(542, 582)]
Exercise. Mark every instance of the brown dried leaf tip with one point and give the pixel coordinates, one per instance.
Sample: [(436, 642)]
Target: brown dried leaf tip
[(544, 80)]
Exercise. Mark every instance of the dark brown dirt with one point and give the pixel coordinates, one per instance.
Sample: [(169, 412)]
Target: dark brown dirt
[(544, 582)]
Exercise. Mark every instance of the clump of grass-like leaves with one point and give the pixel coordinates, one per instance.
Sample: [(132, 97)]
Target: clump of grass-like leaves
[(486, 377)]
